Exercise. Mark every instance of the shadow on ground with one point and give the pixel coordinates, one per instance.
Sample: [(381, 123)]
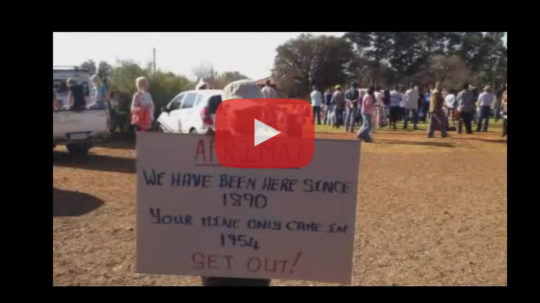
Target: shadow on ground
[(94, 162), (116, 140), (500, 140), (70, 203), (428, 143)]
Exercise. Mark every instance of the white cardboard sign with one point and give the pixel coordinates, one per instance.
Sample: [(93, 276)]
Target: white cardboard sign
[(196, 217)]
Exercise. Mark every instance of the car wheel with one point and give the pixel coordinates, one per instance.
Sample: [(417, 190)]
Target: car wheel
[(193, 131)]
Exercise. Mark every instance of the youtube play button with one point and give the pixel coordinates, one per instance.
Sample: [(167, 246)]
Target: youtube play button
[(264, 133)]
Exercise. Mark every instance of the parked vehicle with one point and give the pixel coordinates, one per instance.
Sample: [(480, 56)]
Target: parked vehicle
[(60, 75), (191, 112), (79, 129)]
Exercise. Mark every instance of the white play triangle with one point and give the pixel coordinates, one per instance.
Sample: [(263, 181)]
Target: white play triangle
[(263, 132)]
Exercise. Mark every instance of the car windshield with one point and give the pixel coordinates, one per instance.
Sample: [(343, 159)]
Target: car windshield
[(213, 103)]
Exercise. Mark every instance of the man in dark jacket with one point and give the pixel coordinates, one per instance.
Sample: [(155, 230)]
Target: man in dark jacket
[(76, 100), (338, 100)]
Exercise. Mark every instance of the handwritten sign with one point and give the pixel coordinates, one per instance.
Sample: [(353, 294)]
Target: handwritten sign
[(196, 217)]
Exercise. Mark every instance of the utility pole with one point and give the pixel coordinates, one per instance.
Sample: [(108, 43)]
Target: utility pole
[(154, 50)]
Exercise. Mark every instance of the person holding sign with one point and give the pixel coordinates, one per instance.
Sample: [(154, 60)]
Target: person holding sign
[(242, 89)]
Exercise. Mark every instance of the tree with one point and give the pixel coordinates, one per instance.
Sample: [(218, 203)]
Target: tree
[(89, 65), (104, 71), (164, 86), (308, 60), (450, 70), (123, 75), (228, 77), (404, 56), (206, 73)]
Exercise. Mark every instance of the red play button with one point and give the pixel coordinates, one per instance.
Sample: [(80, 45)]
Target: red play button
[(264, 133)]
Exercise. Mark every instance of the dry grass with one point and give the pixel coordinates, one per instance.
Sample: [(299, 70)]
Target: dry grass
[(431, 212)]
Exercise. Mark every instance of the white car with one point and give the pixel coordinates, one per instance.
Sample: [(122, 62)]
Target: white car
[(191, 112)]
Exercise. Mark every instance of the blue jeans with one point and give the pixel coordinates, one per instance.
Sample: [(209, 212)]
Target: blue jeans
[(329, 115), (365, 131), (349, 119), (485, 112), (406, 117)]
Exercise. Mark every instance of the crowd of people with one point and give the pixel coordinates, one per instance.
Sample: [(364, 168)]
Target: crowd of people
[(382, 107), (351, 108)]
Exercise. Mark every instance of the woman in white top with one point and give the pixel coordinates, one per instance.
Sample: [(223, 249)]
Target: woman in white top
[(450, 105), (142, 98)]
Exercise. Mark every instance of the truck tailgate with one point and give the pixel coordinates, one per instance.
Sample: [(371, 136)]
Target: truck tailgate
[(89, 121)]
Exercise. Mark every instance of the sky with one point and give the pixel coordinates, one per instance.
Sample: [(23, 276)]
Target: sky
[(252, 54)]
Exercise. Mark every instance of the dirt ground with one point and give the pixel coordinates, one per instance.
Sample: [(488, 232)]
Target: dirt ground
[(431, 212)]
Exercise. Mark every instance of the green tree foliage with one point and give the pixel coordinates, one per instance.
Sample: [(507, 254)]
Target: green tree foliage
[(89, 65), (307, 60), (399, 57), (123, 75), (104, 71), (164, 86)]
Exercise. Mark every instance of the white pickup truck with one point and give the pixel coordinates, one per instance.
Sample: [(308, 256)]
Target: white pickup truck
[(79, 129)]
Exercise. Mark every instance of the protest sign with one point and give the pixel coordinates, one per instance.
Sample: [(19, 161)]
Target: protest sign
[(196, 217)]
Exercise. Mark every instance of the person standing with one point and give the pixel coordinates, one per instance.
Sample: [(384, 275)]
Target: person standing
[(427, 98), (386, 101), (421, 110), (268, 91), (497, 105), (351, 101), (465, 107), (380, 107), (368, 105), (395, 106), (142, 106), (411, 106), (449, 105), (316, 102), (329, 108), (437, 117), (338, 100), (474, 91), (402, 104), (485, 99)]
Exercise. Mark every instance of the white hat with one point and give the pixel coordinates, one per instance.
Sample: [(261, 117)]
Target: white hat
[(241, 89)]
